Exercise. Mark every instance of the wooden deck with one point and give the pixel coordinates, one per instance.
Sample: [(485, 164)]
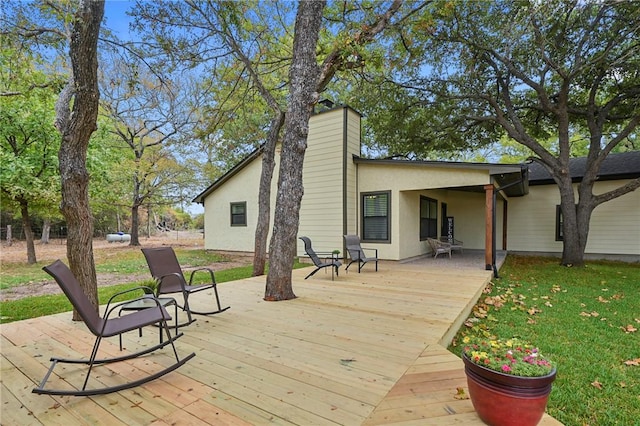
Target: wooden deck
[(365, 349)]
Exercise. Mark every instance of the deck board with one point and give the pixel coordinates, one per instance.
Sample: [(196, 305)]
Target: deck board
[(364, 349)]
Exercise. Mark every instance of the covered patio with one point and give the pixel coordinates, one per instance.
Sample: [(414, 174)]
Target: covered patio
[(364, 349)]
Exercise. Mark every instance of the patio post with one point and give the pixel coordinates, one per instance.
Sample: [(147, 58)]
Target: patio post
[(488, 227)]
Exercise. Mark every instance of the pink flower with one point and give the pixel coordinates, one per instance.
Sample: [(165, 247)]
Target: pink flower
[(506, 368)]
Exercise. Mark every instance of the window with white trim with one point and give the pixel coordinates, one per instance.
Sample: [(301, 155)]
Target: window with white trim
[(239, 214)]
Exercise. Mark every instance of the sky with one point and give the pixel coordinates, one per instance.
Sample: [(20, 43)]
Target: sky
[(117, 21), (116, 18)]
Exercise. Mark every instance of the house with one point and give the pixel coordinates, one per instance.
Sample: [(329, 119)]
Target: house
[(395, 205)]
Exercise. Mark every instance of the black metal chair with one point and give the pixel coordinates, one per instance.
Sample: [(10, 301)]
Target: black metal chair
[(319, 263), (107, 327), (357, 253), (166, 270)]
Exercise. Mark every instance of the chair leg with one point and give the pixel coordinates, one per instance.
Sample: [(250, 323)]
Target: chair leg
[(219, 310), (312, 273), (187, 308), (92, 359), (347, 268)]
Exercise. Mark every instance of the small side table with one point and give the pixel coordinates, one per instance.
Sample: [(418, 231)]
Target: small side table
[(149, 302)]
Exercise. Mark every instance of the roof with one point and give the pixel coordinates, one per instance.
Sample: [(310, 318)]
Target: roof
[(225, 177), (491, 167), (624, 165), (509, 178)]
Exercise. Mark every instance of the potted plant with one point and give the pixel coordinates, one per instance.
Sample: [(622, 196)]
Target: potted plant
[(509, 380)]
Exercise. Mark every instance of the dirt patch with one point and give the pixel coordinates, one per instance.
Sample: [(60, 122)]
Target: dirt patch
[(57, 249)]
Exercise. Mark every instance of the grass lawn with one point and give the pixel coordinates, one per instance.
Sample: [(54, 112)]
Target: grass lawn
[(124, 264), (585, 319)]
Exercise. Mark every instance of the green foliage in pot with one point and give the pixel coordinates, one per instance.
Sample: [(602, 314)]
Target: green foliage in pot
[(151, 285), (512, 356)]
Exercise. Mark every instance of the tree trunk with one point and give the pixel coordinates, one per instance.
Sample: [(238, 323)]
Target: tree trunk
[(571, 253), (135, 225), (303, 79), (28, 232), (149, 221), (264, 195), (46, 232), (76, 127), (9, 236)]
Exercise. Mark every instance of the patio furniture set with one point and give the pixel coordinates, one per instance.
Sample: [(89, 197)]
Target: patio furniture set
[(330, 260), (148, 309), (357, 254), (151, 309)]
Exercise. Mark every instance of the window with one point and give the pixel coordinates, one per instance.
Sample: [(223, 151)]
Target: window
[(559, 222), (239, 214), (428, 218), (375, 216)]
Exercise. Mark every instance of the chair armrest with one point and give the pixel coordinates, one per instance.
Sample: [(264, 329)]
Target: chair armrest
[(328, 255), (149, 295), (370, 249), (450, 241), (209, 270), (162, 277)]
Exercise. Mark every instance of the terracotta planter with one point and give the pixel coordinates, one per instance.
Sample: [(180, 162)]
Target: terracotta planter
[(506, 400)]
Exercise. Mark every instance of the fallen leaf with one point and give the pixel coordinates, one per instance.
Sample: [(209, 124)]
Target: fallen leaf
[(596, 384), (585, 314), (622, 384), (595, 314), (531, 321), (460, 394), (533, 311), (629, 329), (602, 299), (548, 304), (632, 362), (480, 312), (496, 301)]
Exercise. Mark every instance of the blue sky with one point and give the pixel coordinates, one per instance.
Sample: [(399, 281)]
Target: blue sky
[(116, 18)]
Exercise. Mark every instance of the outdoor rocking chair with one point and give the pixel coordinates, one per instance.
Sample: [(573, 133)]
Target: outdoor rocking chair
[(103, 327), (167, 272), (357, 253), (334, 263)]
